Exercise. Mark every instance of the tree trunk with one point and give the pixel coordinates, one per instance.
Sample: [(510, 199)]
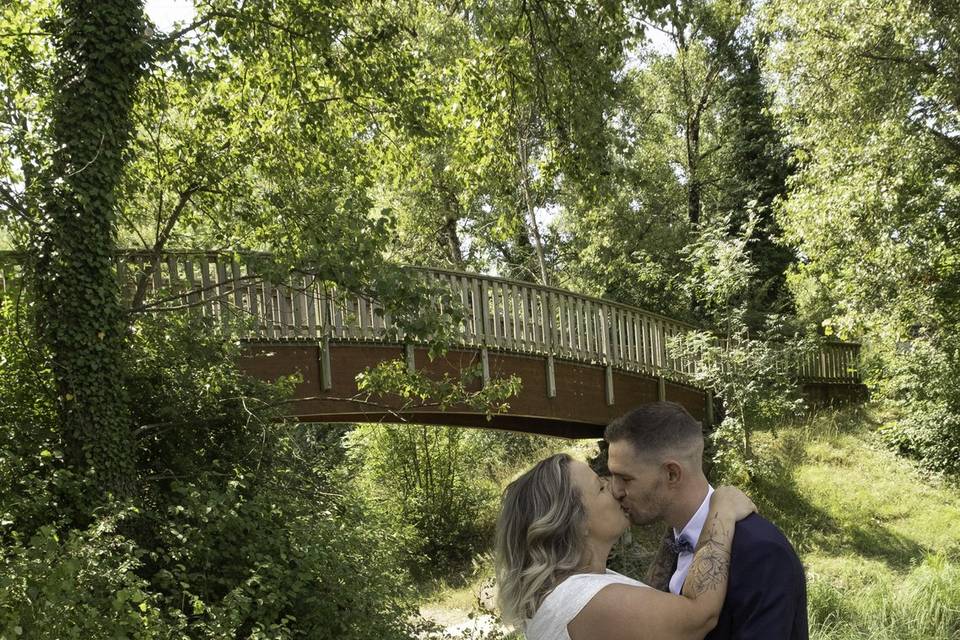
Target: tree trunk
[(693, 166), (524, 159), (100, 49), (452, 241)]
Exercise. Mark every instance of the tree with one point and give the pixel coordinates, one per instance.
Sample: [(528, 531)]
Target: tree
[(869, 95)]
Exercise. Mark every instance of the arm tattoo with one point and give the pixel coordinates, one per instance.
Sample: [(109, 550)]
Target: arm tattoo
[(711, 564), (662, 567)]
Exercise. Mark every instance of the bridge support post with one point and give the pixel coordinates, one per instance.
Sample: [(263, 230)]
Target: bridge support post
[(326, 379), (551, 378), (411, 358), (485, 365), (661, 388), (608, 375), (709, 409)]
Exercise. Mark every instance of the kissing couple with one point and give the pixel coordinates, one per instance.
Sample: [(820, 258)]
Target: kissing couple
[(732, 574)]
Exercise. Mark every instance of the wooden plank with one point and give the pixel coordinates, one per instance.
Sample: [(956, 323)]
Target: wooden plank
[(485, 311), (468, 318), (236, 284), (222, 298), (497, 330), (551, 377), (536, 320), (253, 293), (208, 293), (589, 313), (363, 322), (193, 296), (326, 375), (608, 384), (560, 311), (268, 299), (615, 337), (604, 334), (284, 313), (299, 293), (310, 285), (173, 273), (520, 313)]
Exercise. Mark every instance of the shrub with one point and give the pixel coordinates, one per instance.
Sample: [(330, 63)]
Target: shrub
[(431, 481), (242, 525)]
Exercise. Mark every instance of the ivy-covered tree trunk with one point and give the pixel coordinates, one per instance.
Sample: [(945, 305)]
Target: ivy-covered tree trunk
[(100, 53)]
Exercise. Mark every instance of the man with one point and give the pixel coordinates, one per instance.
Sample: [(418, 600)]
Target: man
[(655, 458)]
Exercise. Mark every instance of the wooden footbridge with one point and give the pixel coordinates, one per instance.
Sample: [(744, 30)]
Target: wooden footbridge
[(582, 360)]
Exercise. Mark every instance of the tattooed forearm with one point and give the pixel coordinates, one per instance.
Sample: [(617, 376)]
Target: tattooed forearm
[(662, 567), (711, 564)]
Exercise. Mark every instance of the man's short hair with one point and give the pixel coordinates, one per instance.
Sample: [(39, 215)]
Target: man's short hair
[(657, 428)]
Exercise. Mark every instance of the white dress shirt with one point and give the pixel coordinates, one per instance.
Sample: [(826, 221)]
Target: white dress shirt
[(692, 533)]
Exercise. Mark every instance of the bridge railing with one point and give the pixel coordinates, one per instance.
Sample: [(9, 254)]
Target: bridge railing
[(497, 314)]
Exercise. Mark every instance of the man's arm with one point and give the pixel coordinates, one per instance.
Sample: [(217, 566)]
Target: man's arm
[(770, 594), (663, 565)]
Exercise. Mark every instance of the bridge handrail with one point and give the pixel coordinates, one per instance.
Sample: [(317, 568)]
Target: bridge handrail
[(499, 314)]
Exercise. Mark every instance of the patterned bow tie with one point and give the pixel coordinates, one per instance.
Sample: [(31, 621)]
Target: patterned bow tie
[(680, 545)]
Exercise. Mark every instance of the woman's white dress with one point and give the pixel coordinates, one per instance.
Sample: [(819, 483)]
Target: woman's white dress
[(567, 600)]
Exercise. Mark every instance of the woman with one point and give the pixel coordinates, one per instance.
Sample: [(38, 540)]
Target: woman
[(555, 531)]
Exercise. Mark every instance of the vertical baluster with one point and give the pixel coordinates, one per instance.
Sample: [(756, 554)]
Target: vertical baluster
[(541, 335), (520, 312), (589, 311), (615, 336), (192, 296), (484, 301), (604, 329), (208, 293), (252, 295), (497, 314), (310, 302), (173, 274), (222, 297), (237, 289), (268, 309), (563, 325), (299, 292), (363, 324), (509, 305), (460, 287)]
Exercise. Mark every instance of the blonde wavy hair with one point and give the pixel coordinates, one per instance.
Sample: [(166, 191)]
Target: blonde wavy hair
[(541, 535)]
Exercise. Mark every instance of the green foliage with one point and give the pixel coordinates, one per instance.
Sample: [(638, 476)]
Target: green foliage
[(244, 525), (748, 371), (918, 383), (429, 481), (82, 586), (867, 94), (417, 389)]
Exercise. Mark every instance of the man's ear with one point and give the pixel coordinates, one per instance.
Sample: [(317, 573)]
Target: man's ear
[(674, 471)]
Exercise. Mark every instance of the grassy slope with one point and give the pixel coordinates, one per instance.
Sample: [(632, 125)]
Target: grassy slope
[(881, 542)]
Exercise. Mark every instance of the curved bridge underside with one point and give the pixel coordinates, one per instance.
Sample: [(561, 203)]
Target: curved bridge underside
[(584, 399)]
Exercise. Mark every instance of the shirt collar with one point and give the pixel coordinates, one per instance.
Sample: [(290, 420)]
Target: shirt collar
[(691, 531)]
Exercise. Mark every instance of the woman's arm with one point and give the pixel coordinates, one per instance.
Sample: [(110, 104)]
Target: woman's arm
[(621, 612)]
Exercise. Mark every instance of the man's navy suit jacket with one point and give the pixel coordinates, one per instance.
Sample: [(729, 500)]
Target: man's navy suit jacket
[(766, 593)]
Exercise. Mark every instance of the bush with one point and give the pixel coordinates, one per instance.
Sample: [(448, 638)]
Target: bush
[(430, 481), (242, 525), (921, 381)]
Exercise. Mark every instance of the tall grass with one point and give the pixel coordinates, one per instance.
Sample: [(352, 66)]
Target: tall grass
[(921, 605)]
